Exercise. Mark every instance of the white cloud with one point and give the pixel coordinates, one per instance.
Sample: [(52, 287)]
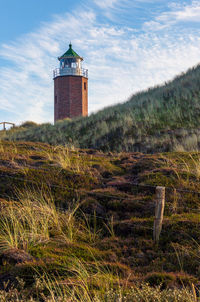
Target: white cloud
[(178, 13), (105, 3), (120, 62)]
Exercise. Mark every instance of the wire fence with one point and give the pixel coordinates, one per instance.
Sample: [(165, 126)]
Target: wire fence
[(172, 189), (173, 204)]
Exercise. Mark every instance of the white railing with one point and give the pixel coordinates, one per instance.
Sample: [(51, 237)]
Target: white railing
[(70, 71)]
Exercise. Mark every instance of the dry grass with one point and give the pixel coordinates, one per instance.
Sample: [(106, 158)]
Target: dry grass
[(80, 292), (66, 158), (184, 165), (35, 219), (83, 258)]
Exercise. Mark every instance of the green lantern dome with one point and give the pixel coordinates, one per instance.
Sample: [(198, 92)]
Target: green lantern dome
[(70, 53)]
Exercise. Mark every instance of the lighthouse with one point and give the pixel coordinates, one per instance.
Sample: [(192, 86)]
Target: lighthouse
[(70, 87)]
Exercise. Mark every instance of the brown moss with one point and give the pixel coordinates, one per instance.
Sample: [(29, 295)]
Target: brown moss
[(110, 186)]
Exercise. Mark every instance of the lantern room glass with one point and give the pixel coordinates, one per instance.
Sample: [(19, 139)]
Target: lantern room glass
[(70, 63)]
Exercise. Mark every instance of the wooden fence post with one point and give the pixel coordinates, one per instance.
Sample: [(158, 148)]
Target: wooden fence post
[(159, 211)]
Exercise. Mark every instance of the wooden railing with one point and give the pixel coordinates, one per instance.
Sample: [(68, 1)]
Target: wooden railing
[(5, 123)]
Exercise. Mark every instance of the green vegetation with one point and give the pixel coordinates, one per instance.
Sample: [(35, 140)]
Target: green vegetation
[(60, 293), (161, 119), (76, 225)]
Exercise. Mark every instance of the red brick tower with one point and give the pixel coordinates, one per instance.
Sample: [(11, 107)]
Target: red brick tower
[(70, 87)]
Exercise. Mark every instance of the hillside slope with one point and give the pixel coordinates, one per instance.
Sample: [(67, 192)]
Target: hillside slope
[(163, 118), (85, 219)]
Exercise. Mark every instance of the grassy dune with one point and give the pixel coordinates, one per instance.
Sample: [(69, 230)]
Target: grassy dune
[(76, 225), (161, 119)]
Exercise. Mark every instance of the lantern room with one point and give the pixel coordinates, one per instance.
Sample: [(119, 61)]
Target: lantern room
[(70, 64)]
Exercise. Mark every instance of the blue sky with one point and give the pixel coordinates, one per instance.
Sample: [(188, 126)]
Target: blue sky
[(127, 45)]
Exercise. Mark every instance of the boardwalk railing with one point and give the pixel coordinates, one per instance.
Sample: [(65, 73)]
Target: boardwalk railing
[(6, 123)]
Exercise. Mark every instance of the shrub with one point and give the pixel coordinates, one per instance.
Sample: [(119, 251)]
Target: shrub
[(157, 278), (29, 124)]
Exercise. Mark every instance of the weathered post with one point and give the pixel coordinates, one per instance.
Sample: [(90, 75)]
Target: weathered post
[(159, 211)]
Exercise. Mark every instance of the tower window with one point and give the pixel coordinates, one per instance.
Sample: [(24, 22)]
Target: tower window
[(85, 87)]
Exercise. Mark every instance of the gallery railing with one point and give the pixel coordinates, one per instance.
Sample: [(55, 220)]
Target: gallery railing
[(70, 71)]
